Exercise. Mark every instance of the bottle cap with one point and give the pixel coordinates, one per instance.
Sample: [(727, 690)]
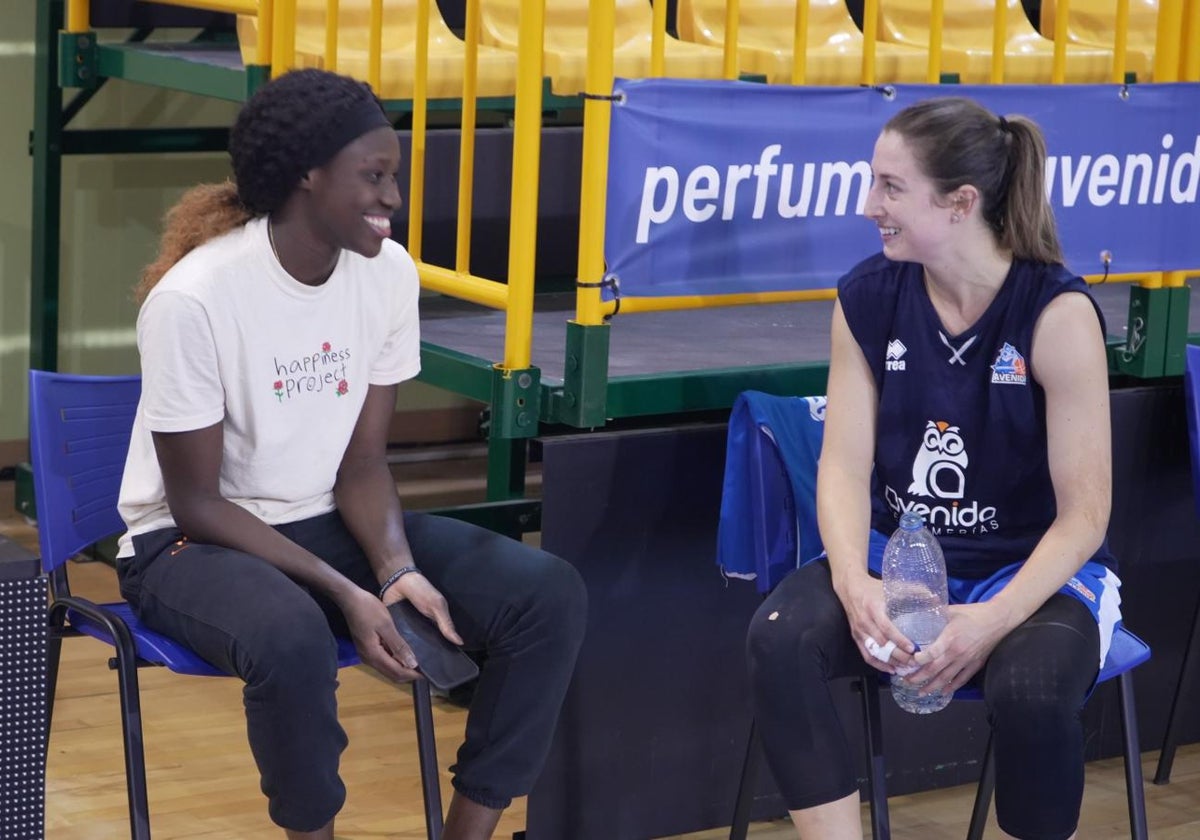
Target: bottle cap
[(910, 521)]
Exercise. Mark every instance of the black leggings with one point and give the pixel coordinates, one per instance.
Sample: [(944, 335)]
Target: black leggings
[(1034, 685), (524, 608)]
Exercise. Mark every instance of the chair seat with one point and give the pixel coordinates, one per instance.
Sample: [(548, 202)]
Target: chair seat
[(1127, 651), (1029, 60), (158, 649), (835, 63)]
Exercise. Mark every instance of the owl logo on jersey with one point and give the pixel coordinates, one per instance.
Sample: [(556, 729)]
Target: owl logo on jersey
[(940, 466), (1009, 367)]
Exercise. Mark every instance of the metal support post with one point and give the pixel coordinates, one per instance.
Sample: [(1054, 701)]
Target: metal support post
[(585, 378)]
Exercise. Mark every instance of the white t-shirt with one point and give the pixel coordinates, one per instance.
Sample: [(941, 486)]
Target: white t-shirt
[(228, 336)]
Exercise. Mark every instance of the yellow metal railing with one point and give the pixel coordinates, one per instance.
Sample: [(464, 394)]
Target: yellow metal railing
[(597, 115), (420, 113), (331, 35), (1177, 57), (658, 40), (1150, 280), (870, 36), (527, 140), (800, 45), (937, 17), (729, 68), (466, 149)]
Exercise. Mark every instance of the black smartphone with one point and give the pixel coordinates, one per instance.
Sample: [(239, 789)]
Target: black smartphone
[(442, 662)]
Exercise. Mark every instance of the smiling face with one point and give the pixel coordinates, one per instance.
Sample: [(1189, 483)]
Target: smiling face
[(913, 218), (354, 195)]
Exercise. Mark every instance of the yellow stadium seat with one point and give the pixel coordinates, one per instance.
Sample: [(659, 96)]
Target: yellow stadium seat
[(565, 44), (497, 68), (967, 42), (766, 31), (1094, 23)]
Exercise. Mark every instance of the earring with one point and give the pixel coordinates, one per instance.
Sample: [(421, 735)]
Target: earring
[(956, 217)]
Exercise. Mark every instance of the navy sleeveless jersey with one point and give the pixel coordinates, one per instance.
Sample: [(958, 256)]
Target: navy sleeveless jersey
[(961, 436)]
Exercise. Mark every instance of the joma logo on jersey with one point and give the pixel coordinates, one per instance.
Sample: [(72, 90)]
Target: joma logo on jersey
[(893, 360)]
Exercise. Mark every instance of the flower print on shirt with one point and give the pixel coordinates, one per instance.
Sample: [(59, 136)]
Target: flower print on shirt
[(311, 373)]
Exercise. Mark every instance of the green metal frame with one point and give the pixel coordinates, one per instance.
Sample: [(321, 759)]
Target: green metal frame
[(581, 402), (1158, 323), (519, 401)]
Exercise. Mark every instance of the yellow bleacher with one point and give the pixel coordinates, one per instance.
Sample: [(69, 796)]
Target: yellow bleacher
[(497, 68), (1094, 23), (566, 36), (967, 42), (766, 32)]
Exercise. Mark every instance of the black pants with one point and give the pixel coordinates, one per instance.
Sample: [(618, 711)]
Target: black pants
[(525, 609), (1034, 685)]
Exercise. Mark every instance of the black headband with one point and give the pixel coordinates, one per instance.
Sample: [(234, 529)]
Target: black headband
[(343, 127)]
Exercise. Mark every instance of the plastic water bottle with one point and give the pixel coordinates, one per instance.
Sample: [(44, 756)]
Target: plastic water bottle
[(914, 587)]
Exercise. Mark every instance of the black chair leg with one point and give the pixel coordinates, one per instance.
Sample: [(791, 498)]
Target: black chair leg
[(431, 788), (745, 793), (1166, 756), (131, 728), (53, 654), (876, 773), (983, 794), (1134, 789)]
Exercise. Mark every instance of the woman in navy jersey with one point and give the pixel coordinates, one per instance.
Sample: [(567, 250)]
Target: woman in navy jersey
[(968, 382)]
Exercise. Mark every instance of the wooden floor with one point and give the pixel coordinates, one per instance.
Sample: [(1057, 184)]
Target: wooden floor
[(203, 783)]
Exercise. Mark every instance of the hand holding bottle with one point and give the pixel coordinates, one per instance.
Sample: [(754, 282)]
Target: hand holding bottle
[(881, 644), (972, 631)]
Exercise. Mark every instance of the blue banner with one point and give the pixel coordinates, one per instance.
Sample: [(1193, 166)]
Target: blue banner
[(723, 187)]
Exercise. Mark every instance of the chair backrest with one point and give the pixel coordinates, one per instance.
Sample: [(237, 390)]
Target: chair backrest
[(79, 430), (967, 23), (1191, 394)]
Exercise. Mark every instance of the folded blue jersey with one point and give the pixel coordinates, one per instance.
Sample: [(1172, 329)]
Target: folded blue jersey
[(796, 425)]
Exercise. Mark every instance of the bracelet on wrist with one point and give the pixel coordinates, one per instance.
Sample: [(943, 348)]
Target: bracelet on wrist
[(395, 576)]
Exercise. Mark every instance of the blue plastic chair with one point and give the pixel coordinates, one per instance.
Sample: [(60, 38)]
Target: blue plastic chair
[(79, 430), (778, 500), (1166, 756)]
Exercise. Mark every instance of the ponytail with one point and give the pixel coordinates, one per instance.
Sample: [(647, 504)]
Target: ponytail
[(1028, 228), (203, 213)]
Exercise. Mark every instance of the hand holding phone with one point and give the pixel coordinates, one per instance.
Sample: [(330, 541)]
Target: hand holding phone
[(442, 662)]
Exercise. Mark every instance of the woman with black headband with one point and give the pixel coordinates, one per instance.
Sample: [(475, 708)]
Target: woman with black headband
[(262, 517), (968, 382)]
